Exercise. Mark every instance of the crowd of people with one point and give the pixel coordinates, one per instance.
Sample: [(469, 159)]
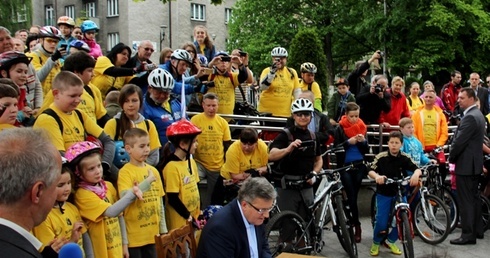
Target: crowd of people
[(132, 157)]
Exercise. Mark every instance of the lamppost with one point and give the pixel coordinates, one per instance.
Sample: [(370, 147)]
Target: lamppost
[(162, 34)]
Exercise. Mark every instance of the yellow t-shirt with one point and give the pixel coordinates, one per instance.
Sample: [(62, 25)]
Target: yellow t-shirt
[(237, 161), (210, 150), (315, 89), (74, 130), (58, 225), (104, 232), (416, 103), (178, 179), (38, 61), (92, 106), (225, 89), (142, 217), (105, 82), (6, 126), (278, 97), (110, 129), (430, 127)]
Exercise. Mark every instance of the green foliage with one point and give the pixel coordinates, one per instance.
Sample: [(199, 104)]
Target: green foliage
[(9, 17), (307, 47)]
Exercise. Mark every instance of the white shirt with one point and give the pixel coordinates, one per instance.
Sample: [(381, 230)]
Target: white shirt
[(252, 237), (33, 240)]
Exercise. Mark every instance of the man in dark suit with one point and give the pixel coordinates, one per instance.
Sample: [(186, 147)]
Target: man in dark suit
[(30, 168), (481, 92), (467, 154), (237, 230)]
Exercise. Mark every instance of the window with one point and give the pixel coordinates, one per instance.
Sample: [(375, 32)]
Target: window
[(112, 39), (112, 8), (49, 15), (70, 11), (227, 15), (198, 12), (20, 14), (90, 9)]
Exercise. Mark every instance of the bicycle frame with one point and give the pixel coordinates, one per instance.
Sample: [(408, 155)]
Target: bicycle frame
[(401, 207)]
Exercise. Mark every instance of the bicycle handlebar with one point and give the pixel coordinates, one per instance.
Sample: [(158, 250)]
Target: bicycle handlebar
[(397, 181)]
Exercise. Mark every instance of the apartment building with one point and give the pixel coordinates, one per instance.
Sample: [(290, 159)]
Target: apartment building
[(130, 21)]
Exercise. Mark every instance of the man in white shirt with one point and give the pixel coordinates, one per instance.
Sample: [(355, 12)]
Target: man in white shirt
[(30, 168)]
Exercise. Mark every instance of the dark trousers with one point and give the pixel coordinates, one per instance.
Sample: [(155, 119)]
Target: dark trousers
[(351, 180), (146, 251), (469, 206)]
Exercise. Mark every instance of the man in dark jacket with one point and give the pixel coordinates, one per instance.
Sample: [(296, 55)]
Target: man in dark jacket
[(374, 99), (357, 78), (142, 57), (237, 230)]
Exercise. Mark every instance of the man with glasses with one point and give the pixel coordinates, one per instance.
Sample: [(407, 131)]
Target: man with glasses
[(297, 151), (142, 58), (237, 229)]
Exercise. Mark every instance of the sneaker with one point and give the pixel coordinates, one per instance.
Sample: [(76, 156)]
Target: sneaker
[(374, 250), (394, 249)]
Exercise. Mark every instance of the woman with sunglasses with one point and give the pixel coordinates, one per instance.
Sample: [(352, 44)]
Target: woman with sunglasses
[(245, 158)]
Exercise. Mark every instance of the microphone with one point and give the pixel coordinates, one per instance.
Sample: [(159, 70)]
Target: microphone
[(70, 250)]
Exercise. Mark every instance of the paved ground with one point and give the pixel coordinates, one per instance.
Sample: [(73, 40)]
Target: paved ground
[(422, 250)]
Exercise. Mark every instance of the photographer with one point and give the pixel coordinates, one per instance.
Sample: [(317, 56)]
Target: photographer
[(374, 99), (357, 78)]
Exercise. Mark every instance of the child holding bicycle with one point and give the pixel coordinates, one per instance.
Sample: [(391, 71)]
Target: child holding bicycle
[(389, 164)]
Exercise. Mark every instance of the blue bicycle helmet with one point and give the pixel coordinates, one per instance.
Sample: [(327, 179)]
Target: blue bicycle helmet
[(210, 210), (121, 157), (80, 45), (88, 25)]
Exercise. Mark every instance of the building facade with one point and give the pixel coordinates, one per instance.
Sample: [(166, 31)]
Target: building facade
[(128, 21)]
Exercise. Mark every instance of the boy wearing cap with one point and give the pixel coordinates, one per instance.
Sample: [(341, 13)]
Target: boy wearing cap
[(336, 103)]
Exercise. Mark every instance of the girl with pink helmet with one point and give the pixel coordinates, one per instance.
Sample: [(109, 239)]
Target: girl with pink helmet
[(98, 203)]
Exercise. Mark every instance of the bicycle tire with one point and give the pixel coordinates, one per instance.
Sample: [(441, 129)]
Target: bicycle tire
[(345, 233), (485, 211), (285, 232), (407, 240), (450, 200), (434, 223)]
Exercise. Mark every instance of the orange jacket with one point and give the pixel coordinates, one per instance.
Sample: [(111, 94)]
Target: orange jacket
[(441, 127)]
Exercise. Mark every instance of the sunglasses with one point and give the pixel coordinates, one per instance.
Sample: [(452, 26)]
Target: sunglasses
[(149, 49), (305, 114), (51, 41)]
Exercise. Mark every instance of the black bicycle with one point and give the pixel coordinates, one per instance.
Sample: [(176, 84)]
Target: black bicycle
[(288, 232)]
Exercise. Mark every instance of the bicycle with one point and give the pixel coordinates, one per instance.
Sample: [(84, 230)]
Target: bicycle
[(288, 232), (431, 218), (403, 216)]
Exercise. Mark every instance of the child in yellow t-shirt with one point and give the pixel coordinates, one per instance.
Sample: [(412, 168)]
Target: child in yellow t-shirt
[(66, 125), (98, 203), (64, 223), (144, 219), (131, 101), (8, 106), (180, 174)]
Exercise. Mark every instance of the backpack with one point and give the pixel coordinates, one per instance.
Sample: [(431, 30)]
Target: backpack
[(410, 100), (53, 114), (230, 75), (276, 173), (121, 157)]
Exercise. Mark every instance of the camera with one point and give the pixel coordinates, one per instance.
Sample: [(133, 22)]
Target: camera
[(225, 58), (242, 53), (277, 59), (378, 88), (381, 54)]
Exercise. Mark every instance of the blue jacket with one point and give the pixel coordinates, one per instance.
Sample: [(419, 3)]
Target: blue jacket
[(161, 117), (413, 148), (189, 88)]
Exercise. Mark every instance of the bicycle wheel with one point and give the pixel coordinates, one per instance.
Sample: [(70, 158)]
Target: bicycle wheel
[(450, 200), (406, 235), (485, 211), (431, 219), (345, 233), (285, 232)]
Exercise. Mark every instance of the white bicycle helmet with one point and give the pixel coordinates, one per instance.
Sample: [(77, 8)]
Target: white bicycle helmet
[(279, 52), (308, 68), (301, 105), (161, 79), (181, 54)]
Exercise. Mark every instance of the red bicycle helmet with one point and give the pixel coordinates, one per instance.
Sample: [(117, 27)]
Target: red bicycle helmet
[(9, 58), (182, 127), (49, 32)]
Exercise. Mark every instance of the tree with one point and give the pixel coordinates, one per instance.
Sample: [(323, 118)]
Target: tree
[(307, 47), (16, 14)]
